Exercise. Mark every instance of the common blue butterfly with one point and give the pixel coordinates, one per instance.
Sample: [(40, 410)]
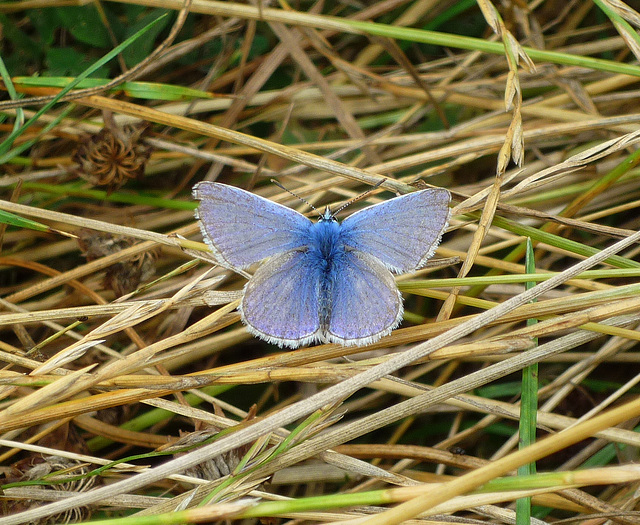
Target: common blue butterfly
[(323, 281)]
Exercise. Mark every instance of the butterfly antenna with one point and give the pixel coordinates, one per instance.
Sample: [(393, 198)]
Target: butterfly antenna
[(359, 197), (295, 195)]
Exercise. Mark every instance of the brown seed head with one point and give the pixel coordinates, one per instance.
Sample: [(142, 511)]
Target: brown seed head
[(111, 157)]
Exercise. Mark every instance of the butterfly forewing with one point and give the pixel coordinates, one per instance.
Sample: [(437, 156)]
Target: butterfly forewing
[(281, 301), (403, 232), (365, 303), (242, 228)]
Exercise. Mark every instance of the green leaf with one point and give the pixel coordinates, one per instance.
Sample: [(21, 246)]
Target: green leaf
[(84, 24), (44, 23), (67, 61), (144, 45), (24, 49)]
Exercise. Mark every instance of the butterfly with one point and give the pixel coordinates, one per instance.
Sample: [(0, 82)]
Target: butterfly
[(324, 281)]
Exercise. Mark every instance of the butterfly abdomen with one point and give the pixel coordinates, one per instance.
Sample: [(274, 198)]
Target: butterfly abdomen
[(326, 252)]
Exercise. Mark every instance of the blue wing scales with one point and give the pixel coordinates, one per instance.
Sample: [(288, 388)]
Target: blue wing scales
[(242, 228), (403, 232), (365, 303), (281, 300)]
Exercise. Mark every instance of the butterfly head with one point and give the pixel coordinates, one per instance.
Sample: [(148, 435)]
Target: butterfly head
[(327, 216)]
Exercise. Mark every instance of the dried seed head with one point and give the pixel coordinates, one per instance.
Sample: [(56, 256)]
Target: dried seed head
[(112, 156), (122, 277), (214, 468), (59, 475)]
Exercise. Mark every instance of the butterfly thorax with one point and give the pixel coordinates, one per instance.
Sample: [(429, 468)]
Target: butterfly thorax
[(325, 240), (325, 252)]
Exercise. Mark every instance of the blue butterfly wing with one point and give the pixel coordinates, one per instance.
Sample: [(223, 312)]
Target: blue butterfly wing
[(365, 303), (402, 232), (242, 228), (281, 301)]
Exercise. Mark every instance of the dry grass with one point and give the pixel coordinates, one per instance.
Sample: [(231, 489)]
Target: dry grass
[(112, 350)]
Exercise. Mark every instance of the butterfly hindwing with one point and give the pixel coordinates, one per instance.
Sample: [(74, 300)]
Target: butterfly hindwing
[(242, 228), (403, 232), (365, 303), (281, 300)]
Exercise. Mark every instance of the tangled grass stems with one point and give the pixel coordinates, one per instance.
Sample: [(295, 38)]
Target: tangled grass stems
[(329, 112)]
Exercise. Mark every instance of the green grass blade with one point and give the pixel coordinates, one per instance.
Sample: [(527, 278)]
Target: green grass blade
[(145, 90), (528, 406)]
